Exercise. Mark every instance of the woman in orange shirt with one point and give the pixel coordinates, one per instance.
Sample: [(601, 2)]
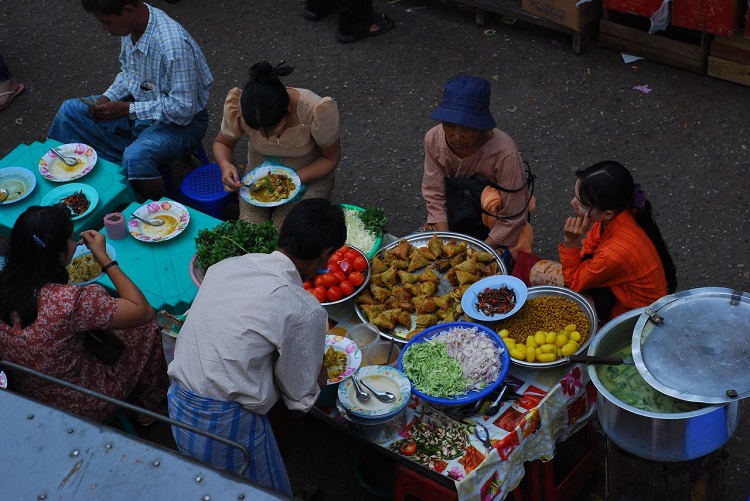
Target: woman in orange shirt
[(622, 262)]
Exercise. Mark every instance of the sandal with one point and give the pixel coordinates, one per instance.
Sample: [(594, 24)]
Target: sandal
[(13, 94), (383, 23)]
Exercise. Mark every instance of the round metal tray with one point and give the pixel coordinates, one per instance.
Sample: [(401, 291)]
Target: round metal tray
[(420, 240)]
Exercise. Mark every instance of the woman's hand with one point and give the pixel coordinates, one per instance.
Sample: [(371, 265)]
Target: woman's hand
[(97, 244), (575, 228), (230, 177), (223, 151)]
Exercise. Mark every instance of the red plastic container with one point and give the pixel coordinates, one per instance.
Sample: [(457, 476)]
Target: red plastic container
[(720, 17), (643, 8)]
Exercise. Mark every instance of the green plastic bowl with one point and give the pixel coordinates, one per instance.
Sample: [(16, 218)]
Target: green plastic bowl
[(378, 241)]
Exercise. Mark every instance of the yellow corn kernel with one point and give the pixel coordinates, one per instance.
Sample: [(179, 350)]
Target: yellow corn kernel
[(503, 333), (548, 348), (575, 336), (561, 340), (547, 357), (570, 327)]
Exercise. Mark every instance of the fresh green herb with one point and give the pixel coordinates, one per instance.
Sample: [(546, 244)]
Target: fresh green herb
[(375, 220), (234, 238)]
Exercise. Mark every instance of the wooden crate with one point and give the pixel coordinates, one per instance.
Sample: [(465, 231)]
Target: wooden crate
[(677, 47), (729, 59)]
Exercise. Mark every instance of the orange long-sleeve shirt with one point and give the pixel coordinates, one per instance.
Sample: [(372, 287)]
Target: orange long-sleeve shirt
[(624, 261)]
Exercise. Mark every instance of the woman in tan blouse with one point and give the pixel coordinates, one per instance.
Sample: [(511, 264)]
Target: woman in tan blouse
[(289, 126)]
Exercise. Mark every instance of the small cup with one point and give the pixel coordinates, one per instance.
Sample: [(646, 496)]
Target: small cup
[(117, 227), (364, 335), (377, 353)]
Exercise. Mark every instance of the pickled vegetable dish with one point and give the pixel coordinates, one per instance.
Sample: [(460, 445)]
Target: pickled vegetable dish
[(627, 385)]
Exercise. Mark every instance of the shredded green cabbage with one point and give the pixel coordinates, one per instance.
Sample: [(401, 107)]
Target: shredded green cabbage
[(433, 371)]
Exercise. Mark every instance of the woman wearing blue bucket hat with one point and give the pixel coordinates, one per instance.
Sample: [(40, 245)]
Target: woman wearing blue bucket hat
[(474, 178)]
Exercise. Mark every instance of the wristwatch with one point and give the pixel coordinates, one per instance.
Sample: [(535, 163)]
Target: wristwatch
[(131, 111)]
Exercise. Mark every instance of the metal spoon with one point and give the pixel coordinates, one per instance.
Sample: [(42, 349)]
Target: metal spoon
[(386, 397), (362, 395), (495, 406), (153, 222), (3, 194), (68, 160)]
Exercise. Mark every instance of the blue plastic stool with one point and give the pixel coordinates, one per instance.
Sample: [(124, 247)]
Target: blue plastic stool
[(202, 189)]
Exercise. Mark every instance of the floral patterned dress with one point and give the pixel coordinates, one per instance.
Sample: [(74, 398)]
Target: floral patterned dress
[(53, 345)]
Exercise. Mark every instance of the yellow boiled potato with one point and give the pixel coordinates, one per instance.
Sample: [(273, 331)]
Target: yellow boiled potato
[(547, 357), (548, 348), (561, 340), (503, 333), (518, 353), (531, 342), (569, 348), (540, 338), (530, 353), (575, 336), (570, 327), (509, 342), (558, 352), (550, 339)]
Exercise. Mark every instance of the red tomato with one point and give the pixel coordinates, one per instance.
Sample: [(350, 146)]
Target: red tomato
[(351, 255), (347, 289), (360, 264), (308, 285), (340, 276), (333, 293), (331, 266), (336, 257), (408, 448), (318, 280), (343, 249), (319, 293), (329, 279), (356, 278)]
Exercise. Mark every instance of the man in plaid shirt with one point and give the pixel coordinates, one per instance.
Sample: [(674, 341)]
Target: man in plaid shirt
[(155, 110)]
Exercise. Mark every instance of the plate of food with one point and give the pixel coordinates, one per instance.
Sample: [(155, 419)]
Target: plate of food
[(418, 281), (83, 269), (270, 185), (455, 363), (175, 219), (341, 358), (494, 298), (17, 182), (79, 198), (381, 378), (365, 228), (53, 168)]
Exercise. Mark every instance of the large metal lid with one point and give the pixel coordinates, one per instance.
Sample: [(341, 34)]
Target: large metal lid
[(695, 345)]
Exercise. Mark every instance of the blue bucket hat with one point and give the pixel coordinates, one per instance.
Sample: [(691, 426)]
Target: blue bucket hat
[(466, 102)]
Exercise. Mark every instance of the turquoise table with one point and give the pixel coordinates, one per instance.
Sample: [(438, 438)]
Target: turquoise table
[(108, 179), (161, 269)]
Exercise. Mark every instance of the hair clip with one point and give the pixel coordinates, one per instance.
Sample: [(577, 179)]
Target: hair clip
[(39, 241)]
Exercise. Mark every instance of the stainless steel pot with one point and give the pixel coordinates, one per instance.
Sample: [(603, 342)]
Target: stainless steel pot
[(650, 435)]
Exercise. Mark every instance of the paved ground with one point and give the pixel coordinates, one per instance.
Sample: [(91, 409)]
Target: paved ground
[(686, 140)]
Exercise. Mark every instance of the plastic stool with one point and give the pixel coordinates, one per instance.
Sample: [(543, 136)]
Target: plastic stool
[(410, 485), (202, 189), (166, 169)]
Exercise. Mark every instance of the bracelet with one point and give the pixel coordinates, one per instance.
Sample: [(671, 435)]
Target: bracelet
[(108, 266)]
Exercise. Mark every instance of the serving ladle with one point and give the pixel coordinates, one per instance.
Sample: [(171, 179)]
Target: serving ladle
[(157, 221), (362, 395), (68, 160), (385, 396), (495, 406)]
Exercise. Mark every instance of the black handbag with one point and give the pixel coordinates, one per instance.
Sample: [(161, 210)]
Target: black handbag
[(464, 202), (104, 345)]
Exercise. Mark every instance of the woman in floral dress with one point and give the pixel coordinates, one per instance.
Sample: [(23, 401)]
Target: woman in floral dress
[(43, 320)]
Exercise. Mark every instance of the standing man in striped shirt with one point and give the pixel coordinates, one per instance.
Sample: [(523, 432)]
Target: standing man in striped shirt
[(155, 110)]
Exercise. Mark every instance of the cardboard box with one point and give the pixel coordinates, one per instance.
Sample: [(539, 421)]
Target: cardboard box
[(564, 12), (643, 8), (720, 17)]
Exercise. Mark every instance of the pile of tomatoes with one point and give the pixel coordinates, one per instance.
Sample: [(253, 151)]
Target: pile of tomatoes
[(346, 272)]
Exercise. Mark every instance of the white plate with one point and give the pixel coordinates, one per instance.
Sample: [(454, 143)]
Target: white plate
[(55, 196), (53, 168), (263, 170), (469, 299), (18, 181), (176, 217), (82, 250), (353, 355), (381, 378)]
